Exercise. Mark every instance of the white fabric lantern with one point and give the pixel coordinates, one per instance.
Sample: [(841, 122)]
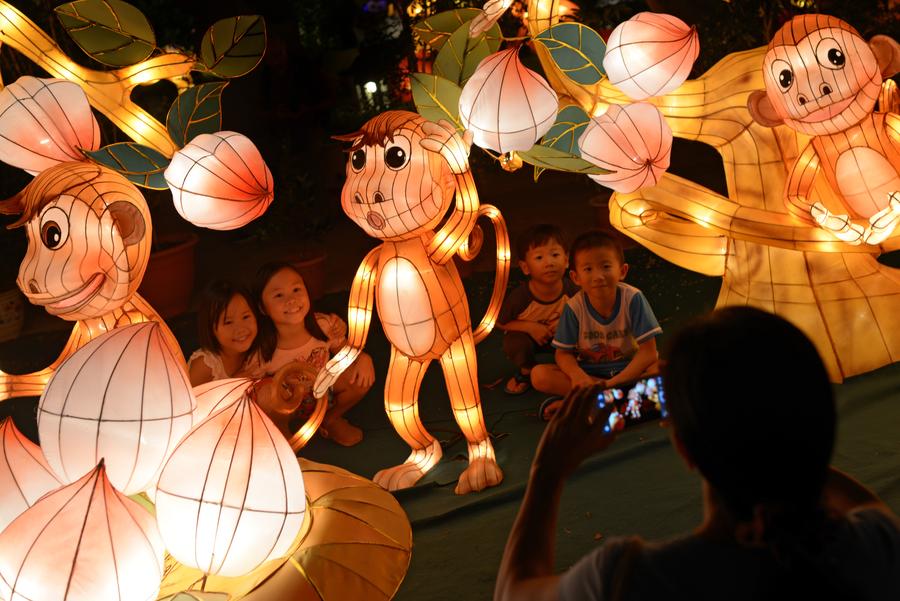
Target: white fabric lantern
[(231, 495), (83, 542), (650, 54), (25, 476), (220, 181), (217, 394), (505, 105), (633, 141), (123, 396), (44, 122)]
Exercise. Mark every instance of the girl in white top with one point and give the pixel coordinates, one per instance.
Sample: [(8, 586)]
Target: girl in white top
[(227, 328), (289, 330)]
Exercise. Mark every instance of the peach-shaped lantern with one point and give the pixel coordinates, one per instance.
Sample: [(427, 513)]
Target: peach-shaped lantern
[(44, 122), (123, 396), (633, 142), (231, 495), (650, 54), (220, 181), (505, 105), (217, 394), (84, 541), (25, 476)]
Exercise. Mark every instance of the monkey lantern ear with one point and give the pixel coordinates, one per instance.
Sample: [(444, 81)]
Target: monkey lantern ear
[(887, 53), (761, 109), (129, 220)]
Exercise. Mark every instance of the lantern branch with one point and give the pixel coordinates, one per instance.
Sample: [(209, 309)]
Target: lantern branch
[(108, 91), (443, 140), (359, 317)]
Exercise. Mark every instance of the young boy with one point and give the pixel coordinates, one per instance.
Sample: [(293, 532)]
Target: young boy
[(607, 332), (530, 312)]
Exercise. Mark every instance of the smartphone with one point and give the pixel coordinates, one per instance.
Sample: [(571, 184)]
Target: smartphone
[(633, 403)]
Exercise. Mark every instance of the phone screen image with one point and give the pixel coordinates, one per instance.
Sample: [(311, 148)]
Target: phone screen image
[(636, 402)]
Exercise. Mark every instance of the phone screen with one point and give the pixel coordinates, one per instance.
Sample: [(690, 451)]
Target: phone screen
[(636, 402)]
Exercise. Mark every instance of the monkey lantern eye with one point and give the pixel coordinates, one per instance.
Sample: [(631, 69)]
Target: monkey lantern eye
[(830, 55), (395, 157), (358, 159), (54, 228), (785, 78)]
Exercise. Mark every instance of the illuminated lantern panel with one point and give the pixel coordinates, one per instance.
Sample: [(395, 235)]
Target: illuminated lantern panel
[(83, 542), (44, 122), (217, 394), (633, 141), (505, 105), (25, 476), (650, 54), (123, 396), (220, 181), (231, 495)]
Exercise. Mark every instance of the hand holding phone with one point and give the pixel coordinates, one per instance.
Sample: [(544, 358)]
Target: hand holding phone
[(632, 403)]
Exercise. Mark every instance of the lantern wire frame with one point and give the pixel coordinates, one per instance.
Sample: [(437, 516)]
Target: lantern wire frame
[(765, 256)]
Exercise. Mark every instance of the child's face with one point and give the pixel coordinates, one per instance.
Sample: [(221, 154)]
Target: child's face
[(545, 263), (285, 299), (598, 271), (236, 328)]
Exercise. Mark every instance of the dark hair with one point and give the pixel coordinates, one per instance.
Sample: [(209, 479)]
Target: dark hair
[(538, 235), (750, 400), (595, 239), (268, 335), (213, 304)]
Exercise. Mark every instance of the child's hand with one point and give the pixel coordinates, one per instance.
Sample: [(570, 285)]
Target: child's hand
[(583, 380), (541, 333), (363, 372)]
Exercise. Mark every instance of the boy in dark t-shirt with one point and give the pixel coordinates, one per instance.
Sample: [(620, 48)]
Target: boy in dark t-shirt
[(530, 313)]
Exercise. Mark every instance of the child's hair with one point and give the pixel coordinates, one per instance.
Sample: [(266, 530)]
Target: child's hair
[(213, 304), (537, 235), (268, 335), (595, 239)]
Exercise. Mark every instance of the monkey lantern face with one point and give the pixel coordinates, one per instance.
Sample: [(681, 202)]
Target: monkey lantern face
[(86, 252), (397, 190), (825, 83)]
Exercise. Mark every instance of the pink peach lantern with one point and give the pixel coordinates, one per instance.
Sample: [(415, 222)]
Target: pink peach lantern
[(44, 122), (217, 394), (505, 105), (650, 54), (632, 141), (220, 181), (25, 476), (231, 495), (123, 396), (85, 541)]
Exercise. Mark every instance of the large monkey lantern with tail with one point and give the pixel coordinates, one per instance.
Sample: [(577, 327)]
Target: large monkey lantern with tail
[(402, 176), (89, 235), (823, 79)]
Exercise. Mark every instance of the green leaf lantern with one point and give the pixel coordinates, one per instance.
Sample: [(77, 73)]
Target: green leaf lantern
[(436, 98), (141, 165), (461, 55), (577, 49), (198, 110), (233, 47), (112, 32)]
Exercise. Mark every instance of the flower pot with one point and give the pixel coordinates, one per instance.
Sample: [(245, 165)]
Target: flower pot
[(311, 265), (12, 314), (168, 283)]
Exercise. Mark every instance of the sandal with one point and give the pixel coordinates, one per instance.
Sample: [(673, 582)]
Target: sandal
[(545, 406), (520, 379)]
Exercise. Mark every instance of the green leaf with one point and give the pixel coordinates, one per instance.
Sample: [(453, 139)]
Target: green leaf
[(436, 29), (110, 31), (460, 56), (142, 165), (551, 158), (436, 98), (570, 124), (197, 110), (233, 47), (577, 49)]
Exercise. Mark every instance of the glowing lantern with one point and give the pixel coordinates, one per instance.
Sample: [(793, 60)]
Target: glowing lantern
[(650, 54), (633, 141), (217, 394), (25, 476), (44, 122), (85, 541), (220, 181), (231, 495), (123, 396), (505, 105)]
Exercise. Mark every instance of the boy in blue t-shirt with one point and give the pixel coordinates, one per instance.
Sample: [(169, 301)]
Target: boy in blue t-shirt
[(607, 332)]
